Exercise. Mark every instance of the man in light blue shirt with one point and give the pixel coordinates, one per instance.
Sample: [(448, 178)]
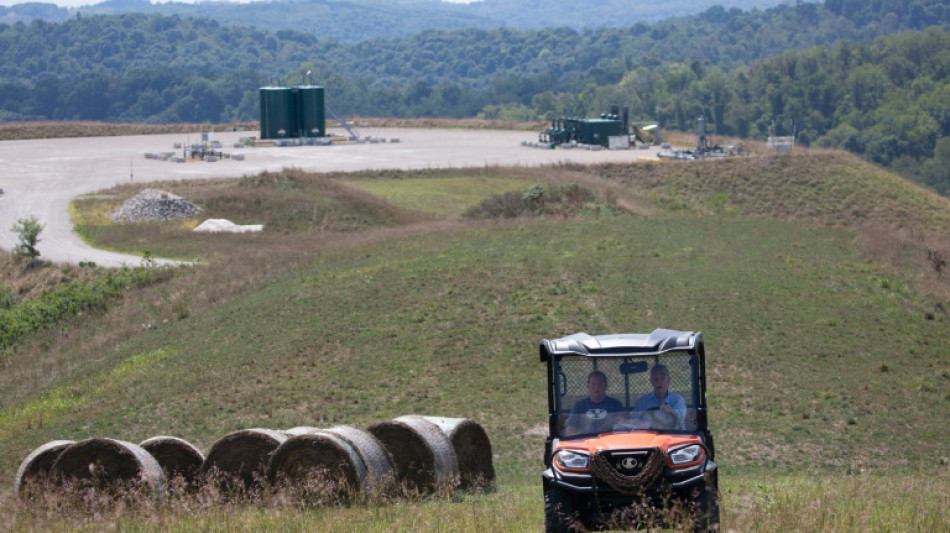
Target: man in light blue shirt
[(662, 399)]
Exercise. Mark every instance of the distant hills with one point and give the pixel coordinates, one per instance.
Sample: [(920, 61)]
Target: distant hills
[(356, 20)]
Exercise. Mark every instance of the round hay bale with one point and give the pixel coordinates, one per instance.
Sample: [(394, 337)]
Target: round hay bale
[(35, 469), (300, 430), (379, 465), (472, 448), (423, 457), (318, 464), (242, 456), (177, 457), (106, 463)]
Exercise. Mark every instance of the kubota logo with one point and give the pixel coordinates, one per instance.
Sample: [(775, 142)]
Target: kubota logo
[(628, 463)]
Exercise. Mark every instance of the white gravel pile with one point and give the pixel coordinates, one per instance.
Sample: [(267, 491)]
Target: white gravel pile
[(221, 225), (153, 204)]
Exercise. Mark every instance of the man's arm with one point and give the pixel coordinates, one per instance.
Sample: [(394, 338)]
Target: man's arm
[(679, 409)]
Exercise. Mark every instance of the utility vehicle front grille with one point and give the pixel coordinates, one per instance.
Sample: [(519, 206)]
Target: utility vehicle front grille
[(628, 462)]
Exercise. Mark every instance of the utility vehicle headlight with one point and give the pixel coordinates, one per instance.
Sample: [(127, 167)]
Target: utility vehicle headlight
[(686, 454), (571, 460)]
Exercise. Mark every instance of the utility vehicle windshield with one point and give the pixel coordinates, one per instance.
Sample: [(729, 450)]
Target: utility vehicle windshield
[(599, 395)]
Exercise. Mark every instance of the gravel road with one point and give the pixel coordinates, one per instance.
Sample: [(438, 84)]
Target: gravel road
[(40, 177)]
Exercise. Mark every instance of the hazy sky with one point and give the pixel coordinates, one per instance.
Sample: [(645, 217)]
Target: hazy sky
[(77, 3)]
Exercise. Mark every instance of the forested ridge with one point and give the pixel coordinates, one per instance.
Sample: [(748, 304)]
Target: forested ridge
[(888, 100), (357, 20), (822, 71)]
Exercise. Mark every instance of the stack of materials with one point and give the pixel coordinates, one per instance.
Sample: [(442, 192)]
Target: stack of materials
[(153, 204)]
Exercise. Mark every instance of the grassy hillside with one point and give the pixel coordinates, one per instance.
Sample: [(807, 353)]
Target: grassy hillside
[(822, 362)]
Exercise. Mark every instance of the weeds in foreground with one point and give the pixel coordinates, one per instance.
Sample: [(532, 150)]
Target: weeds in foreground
[(80, 503), (665, 513), (514, 511), (26, 318), (751, 503)]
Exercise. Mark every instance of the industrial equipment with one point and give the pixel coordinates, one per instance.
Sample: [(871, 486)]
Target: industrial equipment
[(584, 130), (288, 113)]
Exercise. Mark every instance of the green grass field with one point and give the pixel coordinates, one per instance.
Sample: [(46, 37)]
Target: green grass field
[(366, 299)]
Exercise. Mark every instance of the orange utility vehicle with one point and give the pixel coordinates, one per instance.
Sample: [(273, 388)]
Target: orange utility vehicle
[(628, 441)]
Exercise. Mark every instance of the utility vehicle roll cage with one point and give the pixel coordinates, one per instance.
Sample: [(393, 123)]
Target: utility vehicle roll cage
[(636, 350)]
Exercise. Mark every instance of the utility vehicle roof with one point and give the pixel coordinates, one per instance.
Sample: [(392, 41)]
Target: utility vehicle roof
[(621, 344)]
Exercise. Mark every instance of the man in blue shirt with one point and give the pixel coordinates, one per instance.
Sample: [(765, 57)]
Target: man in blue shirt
[(589, 415), (662, 399)]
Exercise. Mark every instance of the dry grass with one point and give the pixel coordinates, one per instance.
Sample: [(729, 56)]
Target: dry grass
[(901, 226), (282, 511), (758, 505), (27, 281), (75, 349), (848, 503), (296, 205), (50, 130), (922, 254), (288, 203)]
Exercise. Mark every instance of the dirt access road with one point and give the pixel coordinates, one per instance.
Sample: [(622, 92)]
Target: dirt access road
[(40, 177)]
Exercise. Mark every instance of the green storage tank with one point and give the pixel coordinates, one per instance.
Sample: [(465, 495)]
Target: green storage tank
[(278, 113), (311, 111)]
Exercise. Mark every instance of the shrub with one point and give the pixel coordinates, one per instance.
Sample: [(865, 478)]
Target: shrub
[(28, 232), (537, 200), (7, 298)]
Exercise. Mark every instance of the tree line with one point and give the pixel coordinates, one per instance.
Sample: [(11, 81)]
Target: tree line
[(358, 20)]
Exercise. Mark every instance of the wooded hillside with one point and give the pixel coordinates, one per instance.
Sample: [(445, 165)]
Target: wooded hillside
[(357, 20)]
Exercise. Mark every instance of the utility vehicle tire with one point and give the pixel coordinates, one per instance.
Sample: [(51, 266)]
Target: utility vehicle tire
[(558, 512), (708, 518)]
